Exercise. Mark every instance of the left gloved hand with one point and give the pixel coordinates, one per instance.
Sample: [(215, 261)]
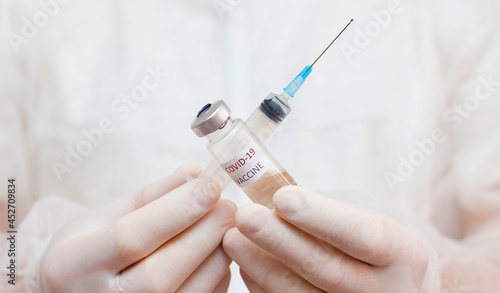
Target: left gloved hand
[(312, 243)]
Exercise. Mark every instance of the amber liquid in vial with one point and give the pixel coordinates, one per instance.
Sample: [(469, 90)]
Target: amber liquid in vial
[(262, 190)]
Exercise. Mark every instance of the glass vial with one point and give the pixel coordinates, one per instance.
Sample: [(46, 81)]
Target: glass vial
[(240, 154)]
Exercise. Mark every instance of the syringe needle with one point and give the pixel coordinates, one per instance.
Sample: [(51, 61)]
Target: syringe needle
[(297, 82), (332, 42)]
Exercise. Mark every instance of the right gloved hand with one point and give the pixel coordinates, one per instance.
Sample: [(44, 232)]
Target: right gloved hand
[(165, 238)]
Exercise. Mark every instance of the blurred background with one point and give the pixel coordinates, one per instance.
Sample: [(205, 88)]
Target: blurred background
[(97, 97)]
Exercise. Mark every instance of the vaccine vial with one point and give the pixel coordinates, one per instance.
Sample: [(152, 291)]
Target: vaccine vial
[(262, 122), (240, 153)]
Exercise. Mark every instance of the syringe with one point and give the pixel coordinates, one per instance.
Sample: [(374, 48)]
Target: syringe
[(267, 117)]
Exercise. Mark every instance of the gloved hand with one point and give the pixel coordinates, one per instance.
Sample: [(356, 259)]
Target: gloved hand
[(312, 243), (165, 238)]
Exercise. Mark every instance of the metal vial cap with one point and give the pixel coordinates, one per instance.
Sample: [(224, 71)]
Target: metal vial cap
[(210, 118)]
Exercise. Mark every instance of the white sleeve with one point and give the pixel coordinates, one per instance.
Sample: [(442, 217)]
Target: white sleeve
[(34, 234), (469, 260)]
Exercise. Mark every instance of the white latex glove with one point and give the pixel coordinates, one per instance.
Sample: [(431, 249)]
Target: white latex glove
[(312, 243), (165, 238)]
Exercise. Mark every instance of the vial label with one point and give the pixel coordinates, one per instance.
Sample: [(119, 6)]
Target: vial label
[(247, 166)]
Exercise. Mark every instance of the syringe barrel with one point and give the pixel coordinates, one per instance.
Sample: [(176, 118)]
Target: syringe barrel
[(263, 121)]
